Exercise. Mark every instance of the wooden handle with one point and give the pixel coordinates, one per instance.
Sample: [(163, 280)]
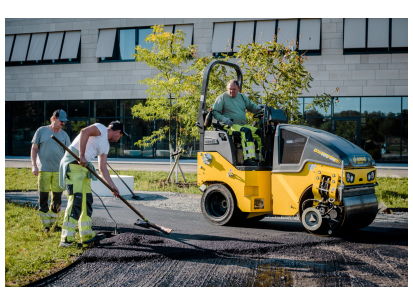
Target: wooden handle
[(160, 228)]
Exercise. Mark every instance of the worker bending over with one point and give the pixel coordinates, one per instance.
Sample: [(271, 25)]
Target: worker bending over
[(92, 141), (45, 156), (232, 105)]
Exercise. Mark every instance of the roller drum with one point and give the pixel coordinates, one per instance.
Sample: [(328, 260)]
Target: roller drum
[(360, 208)]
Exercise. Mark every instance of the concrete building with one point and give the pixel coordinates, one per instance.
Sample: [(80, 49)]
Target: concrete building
[(84, 66)]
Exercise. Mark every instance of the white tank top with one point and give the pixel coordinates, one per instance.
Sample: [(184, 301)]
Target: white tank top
[(96, 146)]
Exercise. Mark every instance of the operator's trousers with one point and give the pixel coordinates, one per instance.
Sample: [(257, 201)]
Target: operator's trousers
[(47, 181), (248, 135), (79, 205)]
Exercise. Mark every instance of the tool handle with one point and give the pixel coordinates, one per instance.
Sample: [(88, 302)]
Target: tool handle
[(108, 186), (120, 178)]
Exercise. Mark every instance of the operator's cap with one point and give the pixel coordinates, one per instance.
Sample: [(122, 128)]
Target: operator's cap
[(61, 115), (116, 125)]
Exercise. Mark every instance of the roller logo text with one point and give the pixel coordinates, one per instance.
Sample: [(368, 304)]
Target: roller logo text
[(326, 155)]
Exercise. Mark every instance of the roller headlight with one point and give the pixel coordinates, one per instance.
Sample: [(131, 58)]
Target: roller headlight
[(371, 175), (350, 177)]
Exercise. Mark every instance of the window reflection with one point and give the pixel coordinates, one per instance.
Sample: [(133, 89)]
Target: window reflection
[(105, 108), (22, 134), (317, 111), (24, 109), (405, 105), (142, 34), (78, 109), (52, 106), (137, 130), (127, 44), (320, 123), (347, 106), (125, 107), (380, 106), (381, 137)]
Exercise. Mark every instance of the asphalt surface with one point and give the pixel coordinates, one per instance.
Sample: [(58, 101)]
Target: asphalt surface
[(189, 165), (276, 251)]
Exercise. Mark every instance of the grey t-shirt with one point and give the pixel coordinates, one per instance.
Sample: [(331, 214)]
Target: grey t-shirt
[(49, 153)]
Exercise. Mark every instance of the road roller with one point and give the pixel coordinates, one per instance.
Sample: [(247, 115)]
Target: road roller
[(325, 179)]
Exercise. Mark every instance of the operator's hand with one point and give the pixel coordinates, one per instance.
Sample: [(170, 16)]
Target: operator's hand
[(228, 122), (82, 161), (116, 194), (261, 107), (35, 170)]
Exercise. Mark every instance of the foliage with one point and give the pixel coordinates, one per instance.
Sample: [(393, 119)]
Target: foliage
[(31, 254), (166, 100), (280, 76)]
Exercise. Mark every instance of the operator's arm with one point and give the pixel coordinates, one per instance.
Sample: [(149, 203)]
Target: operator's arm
[(250, 106), (85, 133), (33, 156), (102, 159), (217, 109)]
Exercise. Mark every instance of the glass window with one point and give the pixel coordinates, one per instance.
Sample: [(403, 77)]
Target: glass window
[(404, 105), (22, 134), (75, 127), (127, 44), (318, 111), (137, 129), (347, 106), (51, 106), (106, 108), (78, 109), (380, 106), (380, 137), (405, 137), (319, 123), (24, 109), (125, 107), (142, 34)]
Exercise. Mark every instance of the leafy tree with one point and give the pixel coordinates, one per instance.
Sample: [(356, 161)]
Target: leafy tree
[(279, 75), (165, 101)]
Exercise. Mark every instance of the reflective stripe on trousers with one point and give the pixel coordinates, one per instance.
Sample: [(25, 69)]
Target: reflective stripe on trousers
[(248, 135), (79, 206)]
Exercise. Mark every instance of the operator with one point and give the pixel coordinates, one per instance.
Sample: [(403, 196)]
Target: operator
[(45, 156), (92, 141), (230, 108)]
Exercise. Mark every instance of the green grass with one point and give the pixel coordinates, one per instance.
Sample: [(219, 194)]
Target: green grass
[(31, 254), (392, 191)]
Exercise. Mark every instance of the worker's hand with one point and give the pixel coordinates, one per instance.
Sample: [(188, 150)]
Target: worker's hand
[(261, 107), (82, 161), (228, 122), (35, 170), (116, 194)]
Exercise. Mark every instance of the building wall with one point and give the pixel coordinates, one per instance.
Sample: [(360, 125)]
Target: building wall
[(354, 75)]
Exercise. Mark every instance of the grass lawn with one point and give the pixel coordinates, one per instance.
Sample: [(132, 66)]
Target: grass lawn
[(392, 191), (31, 254)]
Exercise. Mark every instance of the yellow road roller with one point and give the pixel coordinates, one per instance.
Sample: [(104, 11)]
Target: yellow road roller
[(328, 181)]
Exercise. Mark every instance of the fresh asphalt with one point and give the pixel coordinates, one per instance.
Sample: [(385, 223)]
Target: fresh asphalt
[(276, 251)]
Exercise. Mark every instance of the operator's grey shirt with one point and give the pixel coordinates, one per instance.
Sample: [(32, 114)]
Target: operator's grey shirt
[(49, 152)]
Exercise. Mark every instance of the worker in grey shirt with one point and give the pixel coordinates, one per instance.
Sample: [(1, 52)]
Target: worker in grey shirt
[(230, 108), (45, 156)]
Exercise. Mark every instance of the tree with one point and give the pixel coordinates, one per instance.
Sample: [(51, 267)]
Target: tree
[(280, 76), (166, 89)]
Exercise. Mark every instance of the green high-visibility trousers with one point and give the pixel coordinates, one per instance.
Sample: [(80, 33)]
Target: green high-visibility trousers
[(248, 135), (47, 181), (79, 206)]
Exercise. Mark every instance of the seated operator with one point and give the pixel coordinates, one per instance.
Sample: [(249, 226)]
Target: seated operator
[(232, 105)]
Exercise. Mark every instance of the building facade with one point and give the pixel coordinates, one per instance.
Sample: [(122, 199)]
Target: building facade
[(84, 66)]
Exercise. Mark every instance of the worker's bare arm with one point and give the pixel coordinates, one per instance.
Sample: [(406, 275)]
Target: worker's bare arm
[(85, 133), (33, 157)]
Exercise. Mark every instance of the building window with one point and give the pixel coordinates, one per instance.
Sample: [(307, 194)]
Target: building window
[(375, 35), (119, 44), (43, 48), (303, 35)]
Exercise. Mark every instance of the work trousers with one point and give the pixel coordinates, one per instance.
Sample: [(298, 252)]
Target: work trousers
[(248, 135), (47, 181), (79, 206)]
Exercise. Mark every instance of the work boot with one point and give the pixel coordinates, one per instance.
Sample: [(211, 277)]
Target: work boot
[(66, 244), (250, 162), (96, 238)]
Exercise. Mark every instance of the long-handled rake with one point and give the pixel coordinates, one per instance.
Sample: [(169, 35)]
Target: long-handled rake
[(146, 223)]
